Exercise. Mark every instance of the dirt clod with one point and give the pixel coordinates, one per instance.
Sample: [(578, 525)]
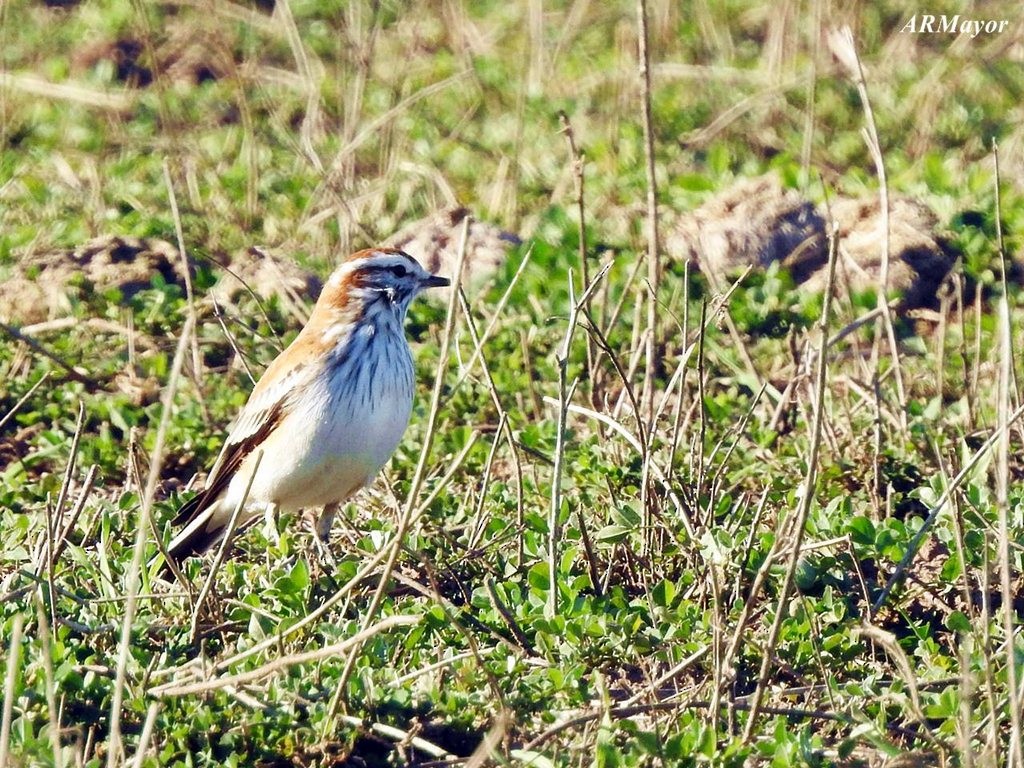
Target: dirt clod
[(434, 242), (754, 222), (758, 222)]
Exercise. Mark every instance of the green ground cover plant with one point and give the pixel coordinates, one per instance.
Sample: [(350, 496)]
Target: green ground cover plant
[(607, 557)]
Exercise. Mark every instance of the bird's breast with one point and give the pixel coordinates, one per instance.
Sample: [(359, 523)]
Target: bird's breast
[(342, 428), (356, 419)]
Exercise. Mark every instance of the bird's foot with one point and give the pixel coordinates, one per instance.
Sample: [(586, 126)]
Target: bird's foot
[(326, 556), (321, 558)]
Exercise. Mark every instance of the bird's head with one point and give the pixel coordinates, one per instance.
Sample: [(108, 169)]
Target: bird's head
[(387, 276)]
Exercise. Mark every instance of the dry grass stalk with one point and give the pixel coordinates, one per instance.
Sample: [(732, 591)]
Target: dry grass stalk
[(991, 723), (997, 184), (402, 737), (10, 681), (115, 748), (960, 541), (284, 662), (1015, 758), (656, 470), (653, 361), (467, 369), (23, 399), (408, 512), (3, 90), (502, 416), (52, 712), (364, 45), (891, 645), (900, 572), (490, 743), (76, 512), (578, 160), (1006, 380), (36, 86), (71, 371), (841, 42), (70, 468), (312, 76), (222, 550), (799, 524), (186, 272), (811, 93), (146, 735), (965, 748), (54, 518), (651, 691), (480, 515)]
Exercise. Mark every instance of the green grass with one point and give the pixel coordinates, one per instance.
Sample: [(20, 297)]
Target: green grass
[(639, 589)]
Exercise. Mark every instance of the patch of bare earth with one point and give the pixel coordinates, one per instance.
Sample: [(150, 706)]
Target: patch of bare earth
[(41, 286), (434, 241), (757, 222)]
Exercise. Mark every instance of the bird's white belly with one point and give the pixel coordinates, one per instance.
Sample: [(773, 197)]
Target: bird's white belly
[(328, 447), (344, 455)]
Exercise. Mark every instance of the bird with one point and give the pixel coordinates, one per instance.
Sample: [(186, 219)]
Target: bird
[(327, 413)]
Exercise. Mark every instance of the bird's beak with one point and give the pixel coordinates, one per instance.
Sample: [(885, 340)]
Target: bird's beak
[(436, 281)]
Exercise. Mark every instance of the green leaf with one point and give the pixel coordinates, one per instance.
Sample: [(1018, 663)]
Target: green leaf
[(664, 593), (539, 577), (862, 530), (531, 758), (612, 534), (957, 621)]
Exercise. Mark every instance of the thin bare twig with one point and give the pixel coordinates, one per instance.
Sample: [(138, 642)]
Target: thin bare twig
[(478, 344), (1006, 565), (23, 399), (578, 160), (659, 474), (402, 737), (197, 361), (14, 333), (45, 556), (502, 415), (900, 572), (76, 512), (65, 486), (565, 391)]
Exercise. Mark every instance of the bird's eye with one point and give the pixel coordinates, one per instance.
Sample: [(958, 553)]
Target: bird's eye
[(398, 271)]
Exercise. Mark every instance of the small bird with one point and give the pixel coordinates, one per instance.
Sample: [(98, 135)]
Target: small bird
[(328, 412)]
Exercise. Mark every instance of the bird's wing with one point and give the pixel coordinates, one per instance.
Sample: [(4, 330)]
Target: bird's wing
[(263, 413)]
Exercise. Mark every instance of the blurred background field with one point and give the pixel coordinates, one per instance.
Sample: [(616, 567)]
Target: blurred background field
[(312, 129)]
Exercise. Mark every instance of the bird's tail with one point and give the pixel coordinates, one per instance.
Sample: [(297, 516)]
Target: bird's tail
[(203, 530)]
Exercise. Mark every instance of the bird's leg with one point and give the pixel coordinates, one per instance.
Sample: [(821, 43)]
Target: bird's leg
[(270, 524), (322, 538), (325, 521)]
